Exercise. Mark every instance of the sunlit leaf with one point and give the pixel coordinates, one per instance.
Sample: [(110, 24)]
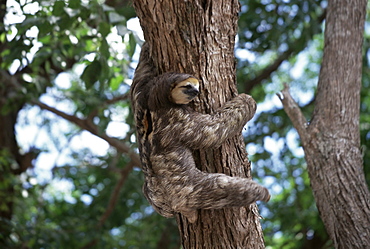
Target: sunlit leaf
[(115, 82)]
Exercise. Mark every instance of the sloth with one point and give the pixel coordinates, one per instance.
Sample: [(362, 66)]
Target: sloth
[(169, 131)]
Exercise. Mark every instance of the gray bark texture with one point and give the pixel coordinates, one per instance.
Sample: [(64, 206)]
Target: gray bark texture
[(332, 140), (198, 37)]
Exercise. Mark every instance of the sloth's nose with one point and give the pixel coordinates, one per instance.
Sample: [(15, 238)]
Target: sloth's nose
[(192, 92)]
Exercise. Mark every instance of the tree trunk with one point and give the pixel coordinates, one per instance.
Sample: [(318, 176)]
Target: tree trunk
[(197, 37), (332, 140), (9, 153)]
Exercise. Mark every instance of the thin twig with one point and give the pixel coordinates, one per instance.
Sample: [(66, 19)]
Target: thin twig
[(93, 129), (94, 112), (115, 194), (266, 73), (90, 244)]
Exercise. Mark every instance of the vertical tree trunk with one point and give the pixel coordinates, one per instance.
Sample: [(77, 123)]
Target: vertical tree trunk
[(332, 141), (197, 37), (8, 145)]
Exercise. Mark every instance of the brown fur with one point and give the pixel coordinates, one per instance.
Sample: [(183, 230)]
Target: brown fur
[(178, 93), (168, 133)]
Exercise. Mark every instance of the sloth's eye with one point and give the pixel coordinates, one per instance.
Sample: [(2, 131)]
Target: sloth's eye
[(187, 86)]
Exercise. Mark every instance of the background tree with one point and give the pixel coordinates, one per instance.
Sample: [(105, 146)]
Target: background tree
[(331, 140), (84, 190)]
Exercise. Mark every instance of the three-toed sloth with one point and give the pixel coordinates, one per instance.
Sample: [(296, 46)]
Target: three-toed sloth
[(168, 131)]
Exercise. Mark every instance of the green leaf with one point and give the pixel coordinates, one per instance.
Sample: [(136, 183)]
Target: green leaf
[(84, 13), (104, 49), (132, 45), (104, 28), (58, 9), (74, 4), (104, 71), (91, 73), (115, 82), (66, 22), (44, 28)]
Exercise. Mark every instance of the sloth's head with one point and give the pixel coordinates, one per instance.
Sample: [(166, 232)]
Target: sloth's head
[(185, 91)]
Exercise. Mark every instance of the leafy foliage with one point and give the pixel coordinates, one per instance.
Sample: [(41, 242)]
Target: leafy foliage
[(77, 58)]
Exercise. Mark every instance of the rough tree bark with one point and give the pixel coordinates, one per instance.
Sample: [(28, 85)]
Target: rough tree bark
[(197, 37), (332, 141)]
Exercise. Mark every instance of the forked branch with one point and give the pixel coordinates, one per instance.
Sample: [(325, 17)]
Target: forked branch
[(294, 113)]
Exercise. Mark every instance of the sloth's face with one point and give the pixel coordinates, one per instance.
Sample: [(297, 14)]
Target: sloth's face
[(185, 91)]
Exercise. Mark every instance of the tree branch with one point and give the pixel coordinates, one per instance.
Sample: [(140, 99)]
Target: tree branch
[(113, 199), (93, 129), (294, 113), (266, 73), (115, 194), (90, 244), (94, 112)]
